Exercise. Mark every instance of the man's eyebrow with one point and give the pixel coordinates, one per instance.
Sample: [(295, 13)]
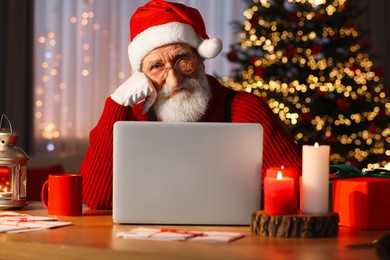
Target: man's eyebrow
[(182, 51), (178, 53), (152, 62)]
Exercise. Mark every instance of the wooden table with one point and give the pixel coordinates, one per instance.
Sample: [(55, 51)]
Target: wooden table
[(93, 236)]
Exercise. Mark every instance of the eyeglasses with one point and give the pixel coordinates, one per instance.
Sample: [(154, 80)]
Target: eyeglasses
[(185, 65)]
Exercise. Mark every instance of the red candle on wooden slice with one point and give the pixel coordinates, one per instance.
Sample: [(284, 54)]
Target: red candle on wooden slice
[(287, 172), (279, 195)]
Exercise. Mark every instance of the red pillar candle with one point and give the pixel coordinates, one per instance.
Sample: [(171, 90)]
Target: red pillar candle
[(287, 172), (279, 195)]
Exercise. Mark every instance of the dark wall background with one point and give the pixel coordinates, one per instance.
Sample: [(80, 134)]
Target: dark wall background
[(16, 67), (375, 22), (16, 57)]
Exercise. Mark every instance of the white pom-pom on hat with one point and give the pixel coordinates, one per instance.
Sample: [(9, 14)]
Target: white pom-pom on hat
[(210, 48)]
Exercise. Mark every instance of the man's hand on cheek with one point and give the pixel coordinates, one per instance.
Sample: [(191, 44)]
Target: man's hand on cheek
[(134, 90)]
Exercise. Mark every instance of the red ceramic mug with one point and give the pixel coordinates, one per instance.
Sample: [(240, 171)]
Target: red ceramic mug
[(61, 195)]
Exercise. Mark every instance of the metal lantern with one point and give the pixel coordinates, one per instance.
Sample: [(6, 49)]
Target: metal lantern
[(13, 170)]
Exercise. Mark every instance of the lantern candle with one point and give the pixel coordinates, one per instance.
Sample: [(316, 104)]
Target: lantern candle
[(287, 172), (4, 176), (315, 179), (4, 193), (278, 195)]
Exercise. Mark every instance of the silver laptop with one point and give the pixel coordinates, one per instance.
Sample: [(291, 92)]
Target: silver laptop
[(186, 173)]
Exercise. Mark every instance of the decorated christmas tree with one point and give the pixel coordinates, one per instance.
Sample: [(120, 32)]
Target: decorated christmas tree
[(309, 60)]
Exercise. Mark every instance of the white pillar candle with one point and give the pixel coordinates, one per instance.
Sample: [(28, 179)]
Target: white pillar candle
[(315, 179)]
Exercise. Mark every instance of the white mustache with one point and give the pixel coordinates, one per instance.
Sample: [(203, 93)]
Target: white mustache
[(166, 91)]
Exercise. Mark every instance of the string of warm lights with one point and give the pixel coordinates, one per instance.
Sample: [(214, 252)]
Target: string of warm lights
[(305, 57), (53, 109)]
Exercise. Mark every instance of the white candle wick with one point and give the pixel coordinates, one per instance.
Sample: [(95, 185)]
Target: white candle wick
[(279, 176)]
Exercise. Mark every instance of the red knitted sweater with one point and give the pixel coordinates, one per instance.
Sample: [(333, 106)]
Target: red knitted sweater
[(279, 147)]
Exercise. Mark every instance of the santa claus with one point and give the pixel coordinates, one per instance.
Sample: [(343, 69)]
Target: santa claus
[(168, 46)]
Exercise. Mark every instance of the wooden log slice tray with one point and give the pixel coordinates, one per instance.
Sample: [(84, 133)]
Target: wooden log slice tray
[(296, 225)]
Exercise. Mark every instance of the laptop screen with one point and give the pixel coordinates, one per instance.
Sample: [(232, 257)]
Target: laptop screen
[(186, 173)]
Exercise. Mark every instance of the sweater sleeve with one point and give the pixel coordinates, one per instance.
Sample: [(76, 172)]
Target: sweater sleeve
[(96, 167), (279, 147)]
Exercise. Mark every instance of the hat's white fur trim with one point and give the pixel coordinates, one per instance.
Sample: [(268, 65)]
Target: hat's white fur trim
[(174, 32)]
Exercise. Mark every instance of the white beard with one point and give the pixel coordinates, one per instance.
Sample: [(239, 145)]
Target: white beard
[(186, 106)]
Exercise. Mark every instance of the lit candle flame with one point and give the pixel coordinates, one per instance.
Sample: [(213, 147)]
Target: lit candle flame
[(5, 189), (282, 167), (279, 176), (316, 145)]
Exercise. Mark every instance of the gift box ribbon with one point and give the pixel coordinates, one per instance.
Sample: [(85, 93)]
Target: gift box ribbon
[(348, 171)]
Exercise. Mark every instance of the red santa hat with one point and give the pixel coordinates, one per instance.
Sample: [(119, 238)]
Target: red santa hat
[(159, 23)]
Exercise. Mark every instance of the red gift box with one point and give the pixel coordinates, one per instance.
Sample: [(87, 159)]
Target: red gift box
[(362, 202)]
